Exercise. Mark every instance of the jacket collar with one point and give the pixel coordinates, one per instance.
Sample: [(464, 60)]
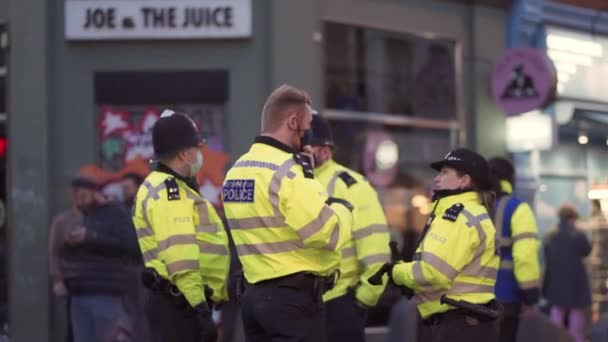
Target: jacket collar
[(191, 182), (266, 140), (464, 198), (328, 165)]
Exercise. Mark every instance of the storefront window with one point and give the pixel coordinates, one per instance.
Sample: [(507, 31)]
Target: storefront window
[(370, 70), (391, 100)]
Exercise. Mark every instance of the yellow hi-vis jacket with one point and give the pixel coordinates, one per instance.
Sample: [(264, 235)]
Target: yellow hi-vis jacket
[(457, 256), (278, 217), (368, 250), (520, 249), (181, 236)]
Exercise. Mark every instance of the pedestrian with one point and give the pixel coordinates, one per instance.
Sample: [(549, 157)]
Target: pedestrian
[(99, 263), (62, 225), (456, 258), (130, 183), (181, 237), (348, 302), (566, 285), (518, 280), (287, 232)]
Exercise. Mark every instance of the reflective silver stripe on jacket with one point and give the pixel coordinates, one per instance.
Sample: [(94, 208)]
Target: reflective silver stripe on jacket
[(331, 186), (455, 289), (369, 230), (475, 268), (269, 247)]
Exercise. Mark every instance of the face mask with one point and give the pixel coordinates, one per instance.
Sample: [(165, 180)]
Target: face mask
[(197, 165)]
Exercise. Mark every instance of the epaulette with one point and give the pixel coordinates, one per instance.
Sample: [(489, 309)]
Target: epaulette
[(451, 214), (305, 163), (172, 189), (347, 179)]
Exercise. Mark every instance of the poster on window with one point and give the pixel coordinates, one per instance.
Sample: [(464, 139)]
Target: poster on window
[(125, 143)]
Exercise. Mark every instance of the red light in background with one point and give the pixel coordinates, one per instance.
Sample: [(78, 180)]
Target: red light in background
[(3, 144)]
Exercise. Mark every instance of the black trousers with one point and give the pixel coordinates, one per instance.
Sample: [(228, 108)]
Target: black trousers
[(169, 323), (509, 322), (456, 326), (283, 310), (345, 320)]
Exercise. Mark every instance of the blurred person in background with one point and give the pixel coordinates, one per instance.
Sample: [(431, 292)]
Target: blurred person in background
[(98, 266), (517, 284), (62, 225), (349, 300), (566, 284), (130, 183)]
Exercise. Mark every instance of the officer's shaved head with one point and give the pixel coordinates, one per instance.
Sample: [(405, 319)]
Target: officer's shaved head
[(278, 105)]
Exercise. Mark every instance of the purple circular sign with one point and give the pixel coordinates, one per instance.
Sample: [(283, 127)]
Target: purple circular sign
[(523, 80)]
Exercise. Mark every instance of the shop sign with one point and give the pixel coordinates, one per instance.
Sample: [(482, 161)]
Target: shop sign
[(523, 80), (530, 131), (157, 19)]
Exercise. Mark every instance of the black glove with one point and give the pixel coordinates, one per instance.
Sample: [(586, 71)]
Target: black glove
[(208, 331), (376, 278)]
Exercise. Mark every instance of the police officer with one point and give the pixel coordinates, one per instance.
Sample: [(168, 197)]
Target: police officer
[(182, 239), (456, 257), (517, 285), (287, 232), (364, 254)]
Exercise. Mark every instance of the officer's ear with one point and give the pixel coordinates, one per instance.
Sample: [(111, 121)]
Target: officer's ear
[(182, 155), (467, 181), (292, 120)]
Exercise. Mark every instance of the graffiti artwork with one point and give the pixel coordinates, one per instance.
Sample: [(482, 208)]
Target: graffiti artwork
[(126, 144)]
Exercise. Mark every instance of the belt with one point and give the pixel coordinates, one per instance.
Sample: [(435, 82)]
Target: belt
[(303, 281), (299, 280), (458, 313)]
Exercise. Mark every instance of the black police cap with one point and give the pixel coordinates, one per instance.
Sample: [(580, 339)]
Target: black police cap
[(320, 131), (502, 168), (174, 132), (469, 162)]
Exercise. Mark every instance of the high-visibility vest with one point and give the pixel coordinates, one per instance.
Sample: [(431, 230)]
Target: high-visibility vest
[(457, 256), (182, 237), (278, 216), (367, 251), (519, 245)]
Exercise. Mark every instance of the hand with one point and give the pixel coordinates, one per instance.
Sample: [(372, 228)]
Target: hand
[(59, 289), (405, 291), (308, 152), (208, 330), (76, 236), (376, 278), (527, 311)]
